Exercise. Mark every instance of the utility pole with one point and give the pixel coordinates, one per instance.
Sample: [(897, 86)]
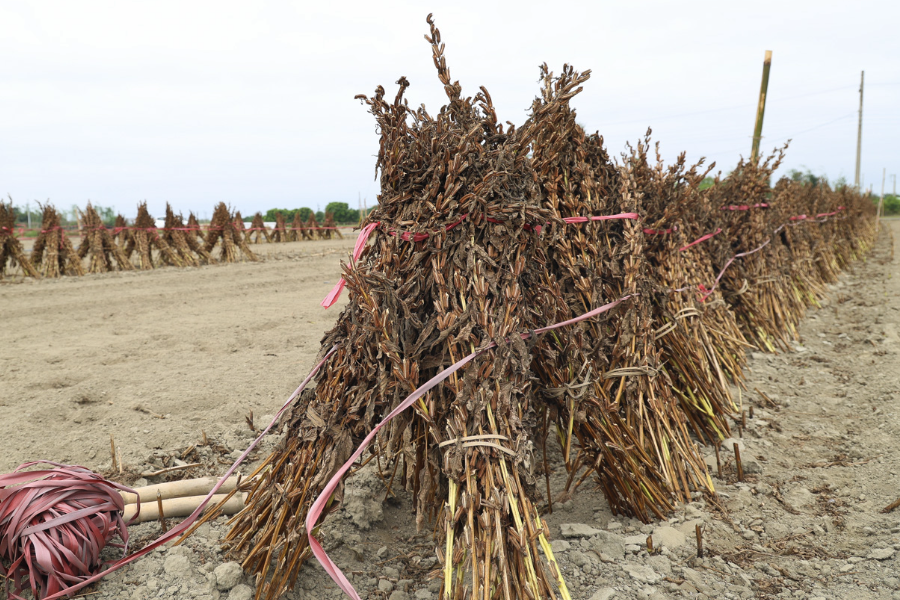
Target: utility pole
[(862, 80), (761, 109), (28, 212), (880, 200), (895, 184)]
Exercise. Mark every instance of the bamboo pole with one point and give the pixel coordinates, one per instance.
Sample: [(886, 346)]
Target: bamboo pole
[(179, 489), (761, 109), (174, 508)]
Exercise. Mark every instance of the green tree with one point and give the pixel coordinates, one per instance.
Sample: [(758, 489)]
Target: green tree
[(343, 213), (287, 213), (807, 177), (707, 182), (891, 204)]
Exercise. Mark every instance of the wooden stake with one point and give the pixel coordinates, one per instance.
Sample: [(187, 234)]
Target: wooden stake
[(761, 109), (112, 451), (162, 514), (718, 462), (737, 460), (751, 412), (699, 540), (856, 182), (743, 418)]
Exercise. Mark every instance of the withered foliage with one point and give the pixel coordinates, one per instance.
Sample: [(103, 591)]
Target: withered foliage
[(194, 228), (183, 240), (312, 230), (121, 233), (11, 252), (279, 232), (329, 228), (258, 228), (222, 228), (481, 236), (98, 242), (145, 239), (53, 254), (296, 232)]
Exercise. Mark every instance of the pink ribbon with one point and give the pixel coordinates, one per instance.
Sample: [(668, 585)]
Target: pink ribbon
[(335, 292), (798, 218), (184, 525), (728, 264), (701, 239), (319, 505)]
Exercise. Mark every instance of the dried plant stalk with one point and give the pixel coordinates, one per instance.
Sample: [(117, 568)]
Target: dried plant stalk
[(52, 254), (11, 251), (258, 228), (97, 242), (222, 228)]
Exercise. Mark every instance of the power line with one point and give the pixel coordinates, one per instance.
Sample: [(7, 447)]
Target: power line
[(735, 107)]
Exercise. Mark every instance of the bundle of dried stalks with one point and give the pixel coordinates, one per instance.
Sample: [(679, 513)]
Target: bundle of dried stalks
[(279, 232), (239, 223), (97, 241), (483, 231), (183, 241), (11, 251), (121, 233), (312, 230), (329, 228), (702, 347), (194, 229), (417, 304), (145, 238), (598, 394), (758, 287), (52, 254), (794, 204), (258, 228), (296, 230), (222, 227)]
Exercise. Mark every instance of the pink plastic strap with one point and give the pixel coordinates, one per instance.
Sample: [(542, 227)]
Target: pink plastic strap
[(728, 264), (184, 525), (799, 218), (701, 239), (335, 292), (319, 505), (660, 231)]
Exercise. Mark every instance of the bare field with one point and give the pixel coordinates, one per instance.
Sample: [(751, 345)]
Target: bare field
[(204, 346)]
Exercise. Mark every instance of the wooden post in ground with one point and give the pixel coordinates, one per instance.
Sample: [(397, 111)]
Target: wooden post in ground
[(761, 109), (880, 200), (856, 181)]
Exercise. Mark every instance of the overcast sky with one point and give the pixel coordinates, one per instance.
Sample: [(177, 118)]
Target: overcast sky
[(252, 102)]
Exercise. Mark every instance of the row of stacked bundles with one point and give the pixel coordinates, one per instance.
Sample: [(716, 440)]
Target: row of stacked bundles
[(485, 231), (177, 243)]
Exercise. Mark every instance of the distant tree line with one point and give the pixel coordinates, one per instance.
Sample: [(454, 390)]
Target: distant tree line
[(343, 214), (67, 218)]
